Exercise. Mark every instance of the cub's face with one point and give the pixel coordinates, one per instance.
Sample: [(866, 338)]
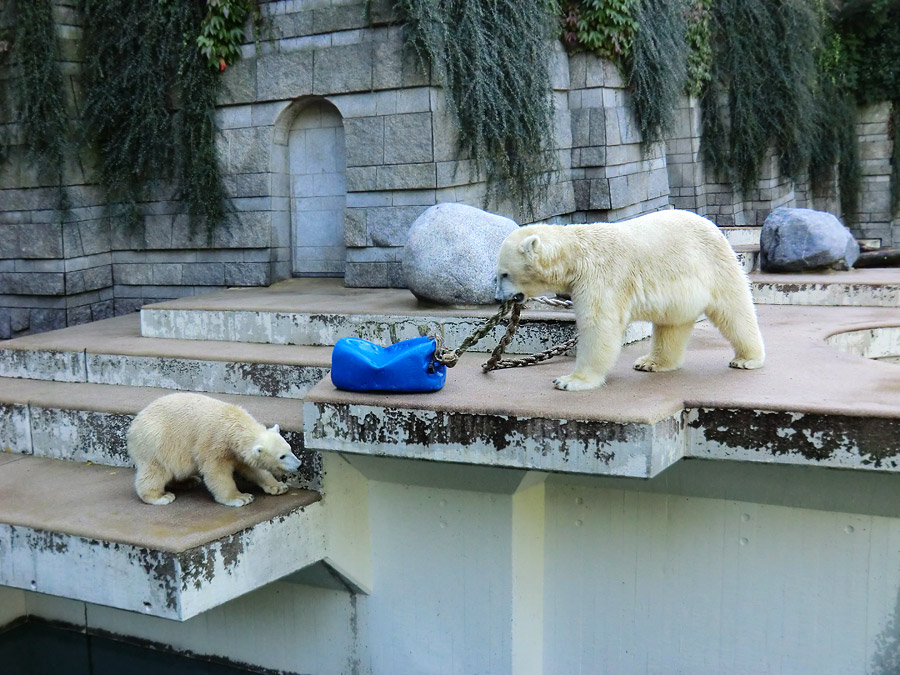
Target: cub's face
[(273, 452), (518, 270)]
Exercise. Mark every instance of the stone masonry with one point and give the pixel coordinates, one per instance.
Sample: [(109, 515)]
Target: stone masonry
[(343, 60)]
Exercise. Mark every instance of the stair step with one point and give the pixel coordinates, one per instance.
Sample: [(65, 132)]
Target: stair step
[(86, 422), (319, 312), (748, 257), (742, 235), (79, 531), (855, 288), (113, 352)]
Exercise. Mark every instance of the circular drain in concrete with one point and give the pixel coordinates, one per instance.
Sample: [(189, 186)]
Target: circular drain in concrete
[(880, 344)]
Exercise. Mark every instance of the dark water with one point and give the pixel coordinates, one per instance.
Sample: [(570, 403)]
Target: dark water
[(39, 649)]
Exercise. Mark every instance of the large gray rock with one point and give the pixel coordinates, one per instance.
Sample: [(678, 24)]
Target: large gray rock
[(451, 253), (796, 240)]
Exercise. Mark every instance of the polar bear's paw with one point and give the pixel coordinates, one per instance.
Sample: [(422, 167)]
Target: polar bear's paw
[(648, 364), (746, 364), (162, 500), (242, 499), (277, 488), (577, 383)]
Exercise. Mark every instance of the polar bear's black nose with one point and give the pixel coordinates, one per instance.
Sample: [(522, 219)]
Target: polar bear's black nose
[(519, 297)]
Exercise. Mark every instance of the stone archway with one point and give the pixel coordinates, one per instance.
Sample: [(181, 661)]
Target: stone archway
[(318, 190)]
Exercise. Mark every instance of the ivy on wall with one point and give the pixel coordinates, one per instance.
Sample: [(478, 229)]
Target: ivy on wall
[(150, 83), (150, 97), (33, 52), (786, 75), (492, 61)]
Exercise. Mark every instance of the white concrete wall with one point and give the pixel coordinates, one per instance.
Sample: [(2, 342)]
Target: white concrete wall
[(709, 568)]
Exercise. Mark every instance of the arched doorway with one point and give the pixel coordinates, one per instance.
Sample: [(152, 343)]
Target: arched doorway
[(318, 191)]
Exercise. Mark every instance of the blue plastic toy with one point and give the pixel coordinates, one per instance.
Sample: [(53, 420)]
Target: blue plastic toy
[(409, 365)]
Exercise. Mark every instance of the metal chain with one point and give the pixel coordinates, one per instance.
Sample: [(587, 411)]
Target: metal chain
[(450, 357)]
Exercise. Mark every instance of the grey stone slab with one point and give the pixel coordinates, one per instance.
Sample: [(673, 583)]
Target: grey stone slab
[(204, 274), (406, 177), (355, 227), (32, 283), (339, 17), (407, 138), (364, 141), (246, 274), (344, 69), (284, 75), (238, 82), (387, 71), (249, 150), (389, 226)]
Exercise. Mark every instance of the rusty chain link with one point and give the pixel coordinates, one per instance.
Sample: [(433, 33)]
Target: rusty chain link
[(450, 357)]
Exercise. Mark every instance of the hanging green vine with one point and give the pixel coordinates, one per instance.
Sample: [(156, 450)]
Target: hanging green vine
[(148, 110), (492, 61), (763, 73), (222, 30), (40, 101), (657, 66), (602, 27)]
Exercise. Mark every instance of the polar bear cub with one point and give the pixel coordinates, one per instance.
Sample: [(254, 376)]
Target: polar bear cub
[(181, 435), (667, 267)]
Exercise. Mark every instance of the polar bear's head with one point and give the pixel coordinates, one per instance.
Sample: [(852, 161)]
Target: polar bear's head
[(529, 263), (272, 452)]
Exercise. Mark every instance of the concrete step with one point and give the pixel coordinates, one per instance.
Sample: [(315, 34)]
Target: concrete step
[(79, 531), (854, 288), (113, 352), (743, 235), (811, 405), (86, 422), (748, 257), (319, 312)]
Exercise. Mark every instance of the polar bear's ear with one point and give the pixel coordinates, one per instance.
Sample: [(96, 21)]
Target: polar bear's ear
[(276, 429), (530, 246)]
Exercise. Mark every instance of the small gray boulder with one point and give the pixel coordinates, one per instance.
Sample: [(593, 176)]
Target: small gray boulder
[(796, 240), (451, 254)]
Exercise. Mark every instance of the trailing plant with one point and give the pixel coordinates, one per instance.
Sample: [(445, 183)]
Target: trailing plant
[(698, 34), (222, 30), (149, 105), (492, 61), (41, 103), (603, 27), (657, 66), (864, 63), (764, 70)]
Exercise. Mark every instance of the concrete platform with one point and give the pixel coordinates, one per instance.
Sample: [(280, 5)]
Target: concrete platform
[(811, 404), (854, 288), (113, 352), (318, 312), (80, 531), (87, 422)]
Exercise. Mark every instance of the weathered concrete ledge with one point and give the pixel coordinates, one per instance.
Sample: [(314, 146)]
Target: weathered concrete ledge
[(113, 352), (80, 532), (810, 405), (89, 422), (853, 288), (320, 312)]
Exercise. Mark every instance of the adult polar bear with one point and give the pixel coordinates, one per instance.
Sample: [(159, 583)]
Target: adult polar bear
[(667, 267)]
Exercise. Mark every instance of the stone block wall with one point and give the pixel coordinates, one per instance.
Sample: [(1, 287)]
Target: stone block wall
[(614, 175), (875, 149), (399, 146), (697, 188)]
